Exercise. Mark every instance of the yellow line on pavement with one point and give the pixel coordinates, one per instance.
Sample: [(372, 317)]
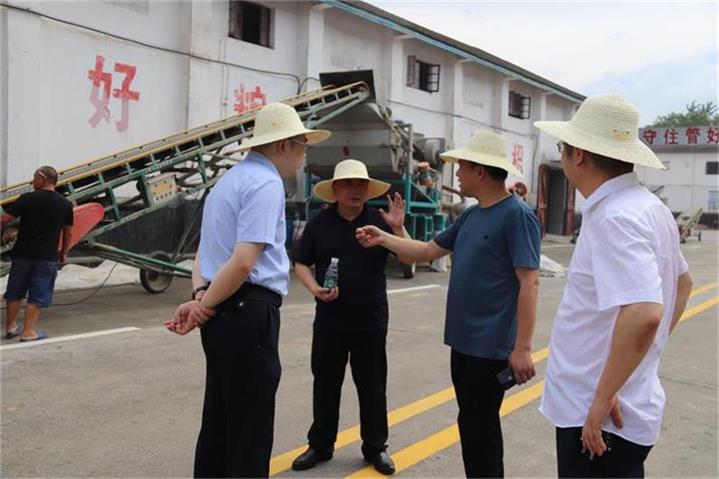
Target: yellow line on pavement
[(699, 308), (703, 289), (283, 462), (421, 450), (425, 448)]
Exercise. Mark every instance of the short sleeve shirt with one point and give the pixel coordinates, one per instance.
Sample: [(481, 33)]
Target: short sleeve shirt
[(362, 282), (43, 215), (487, 245), (627, 252), (247, 205)]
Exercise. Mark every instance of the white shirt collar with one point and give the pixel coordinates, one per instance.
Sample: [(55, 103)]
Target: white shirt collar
[(609, 187)]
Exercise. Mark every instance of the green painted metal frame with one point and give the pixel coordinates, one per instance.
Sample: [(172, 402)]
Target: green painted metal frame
[(193, 156)]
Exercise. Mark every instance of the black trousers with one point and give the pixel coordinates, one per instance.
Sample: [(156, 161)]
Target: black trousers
[(624, 459), (243, 372), (368, 361), (479, 396)]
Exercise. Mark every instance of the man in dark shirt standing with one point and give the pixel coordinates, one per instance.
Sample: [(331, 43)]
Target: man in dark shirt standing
[(350, 319), (492, 295), (44, 215)]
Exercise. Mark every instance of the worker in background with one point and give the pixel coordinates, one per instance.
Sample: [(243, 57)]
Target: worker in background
[(45, 218), (350, 319), (492, 295), (240, 274)]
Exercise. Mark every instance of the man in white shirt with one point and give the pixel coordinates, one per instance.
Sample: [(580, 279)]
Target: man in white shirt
[(627, 287), (240, 273)]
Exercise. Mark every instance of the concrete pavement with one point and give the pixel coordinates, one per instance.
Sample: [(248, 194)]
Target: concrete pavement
[(128, 404)]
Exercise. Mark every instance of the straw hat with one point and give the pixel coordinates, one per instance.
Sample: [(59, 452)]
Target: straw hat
[(484, 148), (277, 121), (346, 170), (607, 125)]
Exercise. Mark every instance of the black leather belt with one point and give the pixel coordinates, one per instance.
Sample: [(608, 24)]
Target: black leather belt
[(252, 292)]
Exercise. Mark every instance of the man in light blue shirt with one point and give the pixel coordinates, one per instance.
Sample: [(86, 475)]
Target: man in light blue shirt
[(240, 273), (247, 205)]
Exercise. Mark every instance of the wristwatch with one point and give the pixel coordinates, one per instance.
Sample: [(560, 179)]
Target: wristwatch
[(198, 289)]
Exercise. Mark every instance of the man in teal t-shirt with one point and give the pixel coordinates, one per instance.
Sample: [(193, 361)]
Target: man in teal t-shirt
[(488, 244), (492, 297)]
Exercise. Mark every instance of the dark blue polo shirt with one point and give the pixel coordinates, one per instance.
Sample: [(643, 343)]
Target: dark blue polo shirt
[(487, 244)]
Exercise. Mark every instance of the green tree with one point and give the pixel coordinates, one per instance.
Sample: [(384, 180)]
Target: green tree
[(697, 114)]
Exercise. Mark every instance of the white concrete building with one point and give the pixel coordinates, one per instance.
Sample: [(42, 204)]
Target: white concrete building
[(691, 180), (85, 79)]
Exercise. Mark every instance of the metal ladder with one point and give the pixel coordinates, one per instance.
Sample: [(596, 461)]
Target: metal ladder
[(171, 169)]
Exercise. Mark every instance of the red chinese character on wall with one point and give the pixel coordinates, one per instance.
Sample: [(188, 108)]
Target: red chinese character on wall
[(518, 156), (101, 99), (713, 135), (247, 100), (692, 136), (125, 94), (671, 136), (649, 136)]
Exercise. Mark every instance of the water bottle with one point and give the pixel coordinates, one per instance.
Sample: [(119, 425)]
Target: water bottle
[(332, 274)]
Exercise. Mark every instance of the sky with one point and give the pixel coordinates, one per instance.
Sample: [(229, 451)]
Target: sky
[(659, 55)]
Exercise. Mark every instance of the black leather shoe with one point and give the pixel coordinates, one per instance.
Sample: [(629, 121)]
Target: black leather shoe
[(382, 463), (310, 458)]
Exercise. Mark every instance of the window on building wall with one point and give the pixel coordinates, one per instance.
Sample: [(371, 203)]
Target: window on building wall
[(519, 106), (251, 23), (712, 168), (422, 75), (712, 200)]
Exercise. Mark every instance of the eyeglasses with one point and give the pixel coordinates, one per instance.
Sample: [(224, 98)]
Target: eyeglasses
[(303, 143), (560, 146)]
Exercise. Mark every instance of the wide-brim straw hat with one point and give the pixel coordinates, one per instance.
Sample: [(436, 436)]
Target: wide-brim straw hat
[(349, 170), (277, 121), (484, 148), (607, 125)]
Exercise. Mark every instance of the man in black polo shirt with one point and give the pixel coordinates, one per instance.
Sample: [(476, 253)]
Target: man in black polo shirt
[(45, 217), (350, 319)]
